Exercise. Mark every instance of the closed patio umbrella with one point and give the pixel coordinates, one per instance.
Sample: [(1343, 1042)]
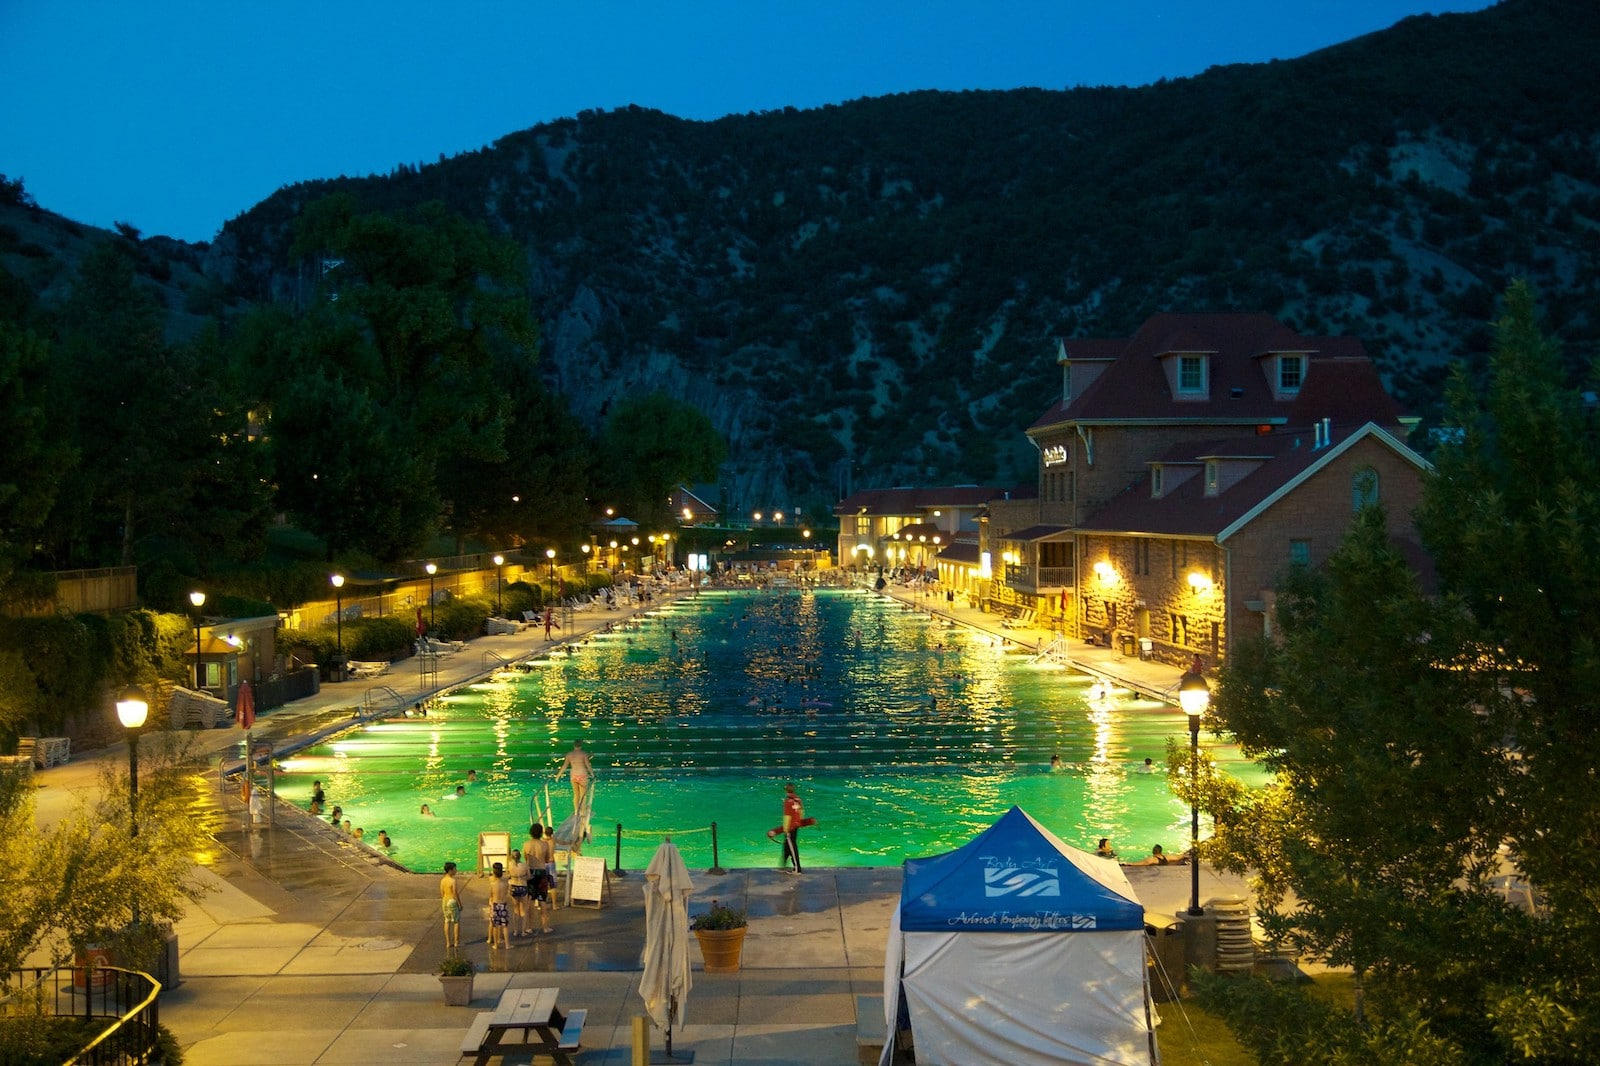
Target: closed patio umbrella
[(664, 985)]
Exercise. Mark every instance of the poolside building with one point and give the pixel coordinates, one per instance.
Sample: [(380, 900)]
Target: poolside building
[(1183, 470), (930, 531)]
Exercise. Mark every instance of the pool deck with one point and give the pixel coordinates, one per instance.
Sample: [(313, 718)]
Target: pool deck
[(311, 950)]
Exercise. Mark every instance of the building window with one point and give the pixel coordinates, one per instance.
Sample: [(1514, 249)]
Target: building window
[(1191, 373), (1291, 372), (1364, 488), (1180, 629), (1072, 486), (1157, 481), (1213, 477), (1180, 557), (1299, 553), (1141, 556)]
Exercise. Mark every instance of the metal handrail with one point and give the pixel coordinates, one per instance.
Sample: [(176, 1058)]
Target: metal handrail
[(94, 990)]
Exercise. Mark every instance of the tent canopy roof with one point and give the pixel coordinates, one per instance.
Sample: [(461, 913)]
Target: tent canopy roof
[(1017, 876)]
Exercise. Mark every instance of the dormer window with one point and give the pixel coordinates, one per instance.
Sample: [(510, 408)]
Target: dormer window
[(1291, 372), (1157, 481), (1191, 374), (1213, 477)]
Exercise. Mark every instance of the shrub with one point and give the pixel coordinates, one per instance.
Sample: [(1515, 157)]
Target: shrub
[(462, 617), (454, 965), (719, 916)]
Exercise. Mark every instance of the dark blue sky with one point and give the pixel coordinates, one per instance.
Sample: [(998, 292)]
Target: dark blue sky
[(176, 116)]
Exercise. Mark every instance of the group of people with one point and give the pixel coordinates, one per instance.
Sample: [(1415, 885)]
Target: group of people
[(521, 889), (337, 819), (519, 892), (1157, 856)]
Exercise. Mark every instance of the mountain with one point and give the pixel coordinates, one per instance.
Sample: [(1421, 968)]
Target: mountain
[(870, 294)]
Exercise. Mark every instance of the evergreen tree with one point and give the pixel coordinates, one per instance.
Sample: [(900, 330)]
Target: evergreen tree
[(1416, 740)]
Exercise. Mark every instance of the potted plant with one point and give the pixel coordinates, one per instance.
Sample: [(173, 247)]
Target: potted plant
[(720, 931), (455, 978)]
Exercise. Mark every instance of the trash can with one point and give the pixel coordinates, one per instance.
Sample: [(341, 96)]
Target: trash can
[(1127, 645), (1147, 648), (1164, 955)]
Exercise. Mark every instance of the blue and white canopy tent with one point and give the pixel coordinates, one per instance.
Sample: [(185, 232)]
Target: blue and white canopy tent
[(1019, 948)]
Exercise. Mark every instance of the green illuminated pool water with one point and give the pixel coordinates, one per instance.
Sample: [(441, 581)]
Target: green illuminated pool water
[(904, 736)]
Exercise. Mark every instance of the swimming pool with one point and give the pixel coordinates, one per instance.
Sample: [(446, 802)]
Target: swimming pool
[(903, 734)]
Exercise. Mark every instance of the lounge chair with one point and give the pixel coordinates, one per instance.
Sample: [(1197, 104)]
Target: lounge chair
[(361, 670)]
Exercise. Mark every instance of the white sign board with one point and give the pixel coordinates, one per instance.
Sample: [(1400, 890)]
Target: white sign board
[(588, 880)]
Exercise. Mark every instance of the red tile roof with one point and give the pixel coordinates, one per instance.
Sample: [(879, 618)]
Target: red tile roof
[(1186, 511), (1341, 382)]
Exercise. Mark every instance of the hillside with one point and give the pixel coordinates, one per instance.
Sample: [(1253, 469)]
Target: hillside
[(869, 294)]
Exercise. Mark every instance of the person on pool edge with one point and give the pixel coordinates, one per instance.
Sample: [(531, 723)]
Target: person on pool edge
[(793, 813)]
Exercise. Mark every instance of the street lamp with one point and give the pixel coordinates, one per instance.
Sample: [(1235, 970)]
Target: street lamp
[(499, 561), (1194, 696), (132, 709), (432, 569), (337, 580), (197, 598), (550, 554)]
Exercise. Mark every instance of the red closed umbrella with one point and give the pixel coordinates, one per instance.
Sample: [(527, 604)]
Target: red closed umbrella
[(246, 706)]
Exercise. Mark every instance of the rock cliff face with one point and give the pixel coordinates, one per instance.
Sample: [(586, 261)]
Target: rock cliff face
[(871, 294)]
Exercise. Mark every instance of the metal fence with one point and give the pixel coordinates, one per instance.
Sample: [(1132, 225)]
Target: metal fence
[(126, 1001)]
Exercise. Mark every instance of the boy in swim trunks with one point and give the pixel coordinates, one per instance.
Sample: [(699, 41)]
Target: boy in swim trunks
[(450, 903), (541, 857), (499, 908), (517, 875)]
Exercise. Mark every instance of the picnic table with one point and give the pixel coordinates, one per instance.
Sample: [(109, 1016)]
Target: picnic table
[(545, 1029)]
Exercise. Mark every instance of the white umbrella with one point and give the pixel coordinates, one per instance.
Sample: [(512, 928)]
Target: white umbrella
[(665, 983)]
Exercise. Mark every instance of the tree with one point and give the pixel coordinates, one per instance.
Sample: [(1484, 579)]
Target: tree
[(652, 444), (1513, 519), (1412, 736), (136, 409), (537, 491), (397, 361), (86, 878), (36, 456)]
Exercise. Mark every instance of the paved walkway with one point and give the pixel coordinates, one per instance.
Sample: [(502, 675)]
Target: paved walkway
[(311, 950)]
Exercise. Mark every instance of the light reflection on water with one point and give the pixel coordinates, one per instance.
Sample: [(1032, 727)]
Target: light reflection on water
[(904, 737)]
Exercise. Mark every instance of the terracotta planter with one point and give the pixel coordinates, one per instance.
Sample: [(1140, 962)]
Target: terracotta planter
[(721, 948), (457, 990)]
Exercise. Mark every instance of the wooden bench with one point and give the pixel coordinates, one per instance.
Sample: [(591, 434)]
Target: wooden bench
[(472, 1043), (478, 1036), (572, 1031)]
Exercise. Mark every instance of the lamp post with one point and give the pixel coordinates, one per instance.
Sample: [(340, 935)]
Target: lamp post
[(550, 554), (337, 580), (499, 561), (197, 598), (1194, 696), (132, 709), (584, 566), (432, 569)]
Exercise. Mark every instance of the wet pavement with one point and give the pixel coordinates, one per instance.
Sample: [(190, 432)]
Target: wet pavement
[(311, 949)]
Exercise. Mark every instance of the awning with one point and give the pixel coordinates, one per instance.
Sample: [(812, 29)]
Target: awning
[(1038, 534)]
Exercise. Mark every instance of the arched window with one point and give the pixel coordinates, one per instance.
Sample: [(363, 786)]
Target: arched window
[(1364, 488)]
